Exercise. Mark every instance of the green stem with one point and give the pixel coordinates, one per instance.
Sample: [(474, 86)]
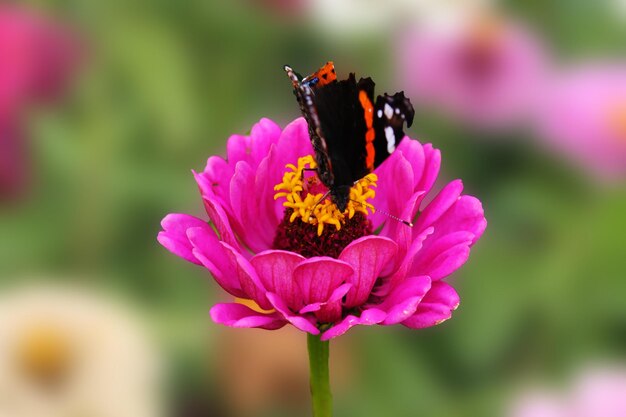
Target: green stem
[(320, 377)]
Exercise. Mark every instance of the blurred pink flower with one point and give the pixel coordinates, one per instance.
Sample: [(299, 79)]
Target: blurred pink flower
[(598, 392), (583, 116), (13, 170), (36, 61), (349, 275), (485, 72)]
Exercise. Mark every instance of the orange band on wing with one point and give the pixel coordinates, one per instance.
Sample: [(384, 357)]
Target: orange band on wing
[(368, 109)]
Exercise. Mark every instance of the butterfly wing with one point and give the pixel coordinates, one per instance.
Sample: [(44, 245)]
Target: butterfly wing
[(304, 94), (390, 113), (343, 126)]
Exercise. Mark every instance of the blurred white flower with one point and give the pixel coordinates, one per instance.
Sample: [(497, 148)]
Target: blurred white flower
[(596, 392), (362, 17), (68, 353)]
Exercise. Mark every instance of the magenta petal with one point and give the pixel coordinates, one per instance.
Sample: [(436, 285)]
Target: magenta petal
[(251, 226), (328, 311), (230, 270), (276, 272), (402, 271), (368, 256), (444, 200), (436, 307), (318, 277), (174, 234), (432, 164), (442, 255), (253, 148), (402, 302), (306, 324), (466, 214), (395, 186), (216, 179), (238, 315), (216, 212), (368, 317)]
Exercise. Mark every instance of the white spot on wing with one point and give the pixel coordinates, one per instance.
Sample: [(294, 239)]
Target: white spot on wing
[(388, 111), (380, 114), (391, 139), (397, 111)]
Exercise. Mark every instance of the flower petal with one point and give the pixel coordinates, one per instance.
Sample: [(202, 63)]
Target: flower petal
[(253, 148), (306, 324), (254, 228), (328, 311), (403, 301), (238, 315), (318, 277), (440, 204), (441, 256), (368, 317), (174, 234), (276, 272), (436, 307), (229, 268), (368, 256), (455, 231), (216, 212)]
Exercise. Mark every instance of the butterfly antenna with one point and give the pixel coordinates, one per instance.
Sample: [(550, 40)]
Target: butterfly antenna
[(317, 203), (391, 216)]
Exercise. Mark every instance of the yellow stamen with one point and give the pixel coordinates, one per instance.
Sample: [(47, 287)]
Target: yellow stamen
[(252, 305), (310, 209)]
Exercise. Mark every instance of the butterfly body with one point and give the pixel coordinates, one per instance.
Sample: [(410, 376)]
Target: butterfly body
[(351, 133)]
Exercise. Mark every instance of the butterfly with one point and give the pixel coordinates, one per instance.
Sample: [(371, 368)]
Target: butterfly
[(351, 133)]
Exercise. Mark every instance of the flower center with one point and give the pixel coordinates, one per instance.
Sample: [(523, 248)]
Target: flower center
[(313, 226), (44, 354), (479, 53), (617, 120)]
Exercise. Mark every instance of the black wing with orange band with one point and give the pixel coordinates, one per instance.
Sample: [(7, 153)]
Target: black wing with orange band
[(351, 135)]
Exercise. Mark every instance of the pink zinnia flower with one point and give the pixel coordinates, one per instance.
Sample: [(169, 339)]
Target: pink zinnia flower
[(36, 61), (485, 72), (331, 277), (597, 392), (583, 116)]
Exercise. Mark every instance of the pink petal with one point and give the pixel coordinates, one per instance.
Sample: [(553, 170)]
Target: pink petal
[(216, 213), (276, 272), (229, 268), (216, 179), (318, 277), (368, 256), (403, 301), (368, 317), (328, 311), (442, 255), (304, 323), (435, 308), (431, 169), (336, 295), (407, 261), (238, 315), (174, 234), (466, 214), (444, 200), (253, 228), (293, 143), (395, 186), (253, 148), (456, 230)]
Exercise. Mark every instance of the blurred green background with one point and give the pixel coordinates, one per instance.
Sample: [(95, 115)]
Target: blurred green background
[(165, 83)]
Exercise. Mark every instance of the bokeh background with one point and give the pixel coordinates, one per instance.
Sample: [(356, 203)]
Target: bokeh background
[(106, 106)]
